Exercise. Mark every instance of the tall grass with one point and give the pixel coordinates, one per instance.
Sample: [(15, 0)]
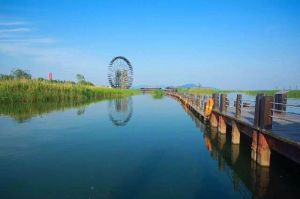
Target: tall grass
[(12, 91)]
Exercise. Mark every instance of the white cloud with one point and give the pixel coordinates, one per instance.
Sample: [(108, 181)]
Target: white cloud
[(45, 40), (13, 30), (67, 59), (13, 23), (45, 53)]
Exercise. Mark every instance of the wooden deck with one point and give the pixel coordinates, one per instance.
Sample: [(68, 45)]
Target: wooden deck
[(283, 136)]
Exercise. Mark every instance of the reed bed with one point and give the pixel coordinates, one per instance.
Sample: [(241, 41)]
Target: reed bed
[(29, 91)]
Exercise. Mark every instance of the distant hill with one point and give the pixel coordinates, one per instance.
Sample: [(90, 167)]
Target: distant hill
[(148, 86), (191, 85)]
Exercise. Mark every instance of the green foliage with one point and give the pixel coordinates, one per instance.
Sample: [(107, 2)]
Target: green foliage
[(294, 94), (6, 77), (21, 74), (80, 78), (255, 92), (41, 79), (25, 111), (61, 81), (291, 93), (199, 90), (158, 94), (208, 91), (23, 90), (86, 83)]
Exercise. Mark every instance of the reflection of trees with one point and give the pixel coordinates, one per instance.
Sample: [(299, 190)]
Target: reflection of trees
[(120, 111), (25, 111), (22, 112), (81, 110)]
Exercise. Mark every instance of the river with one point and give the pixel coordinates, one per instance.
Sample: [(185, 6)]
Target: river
[(137, 147)]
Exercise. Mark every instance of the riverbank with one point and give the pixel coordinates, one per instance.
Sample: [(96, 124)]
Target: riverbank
[(31, 91), (209, 91), (157, 94)]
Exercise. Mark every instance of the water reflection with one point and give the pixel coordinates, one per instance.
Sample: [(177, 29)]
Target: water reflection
[(248, 178), (81, 110), (120, 111), (22, 112)]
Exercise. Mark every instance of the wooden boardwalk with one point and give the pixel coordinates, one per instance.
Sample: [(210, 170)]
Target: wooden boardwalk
[(270, 130)]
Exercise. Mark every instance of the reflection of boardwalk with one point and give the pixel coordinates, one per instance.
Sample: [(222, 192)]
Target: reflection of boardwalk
[(249, 179), (120, 111), (270, 129), (216, 146)]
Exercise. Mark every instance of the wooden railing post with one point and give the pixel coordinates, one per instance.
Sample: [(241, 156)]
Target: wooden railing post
[(204, 101), (257, 110), (263, 111), (200, 101), (223, 100), (222, 120), (266, 116), (280, 102), (238, 106), (261, 151), (216, 101)]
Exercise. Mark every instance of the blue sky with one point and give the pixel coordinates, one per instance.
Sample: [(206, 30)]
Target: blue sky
[(223, 44)]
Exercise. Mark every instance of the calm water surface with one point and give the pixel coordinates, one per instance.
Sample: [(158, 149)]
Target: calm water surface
[(130, 148)]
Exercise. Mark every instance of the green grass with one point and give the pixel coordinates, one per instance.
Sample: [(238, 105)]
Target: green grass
[(294, 94), (209, 91), (158, 94), (291, 93), (20, 91), (203, 91)]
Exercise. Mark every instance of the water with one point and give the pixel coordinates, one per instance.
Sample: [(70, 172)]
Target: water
[(251, 100), (138, 147)]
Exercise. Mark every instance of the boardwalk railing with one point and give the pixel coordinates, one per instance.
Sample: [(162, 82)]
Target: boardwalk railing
[(271, 127)]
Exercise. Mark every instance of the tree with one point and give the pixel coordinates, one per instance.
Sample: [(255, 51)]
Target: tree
[(80, 78), (21, 74), (6, 77)]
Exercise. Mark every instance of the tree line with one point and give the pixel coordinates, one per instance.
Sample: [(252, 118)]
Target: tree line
[(18, 74)]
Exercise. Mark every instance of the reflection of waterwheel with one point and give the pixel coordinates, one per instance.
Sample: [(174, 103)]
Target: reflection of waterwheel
[(120, 73), (120, 111)]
